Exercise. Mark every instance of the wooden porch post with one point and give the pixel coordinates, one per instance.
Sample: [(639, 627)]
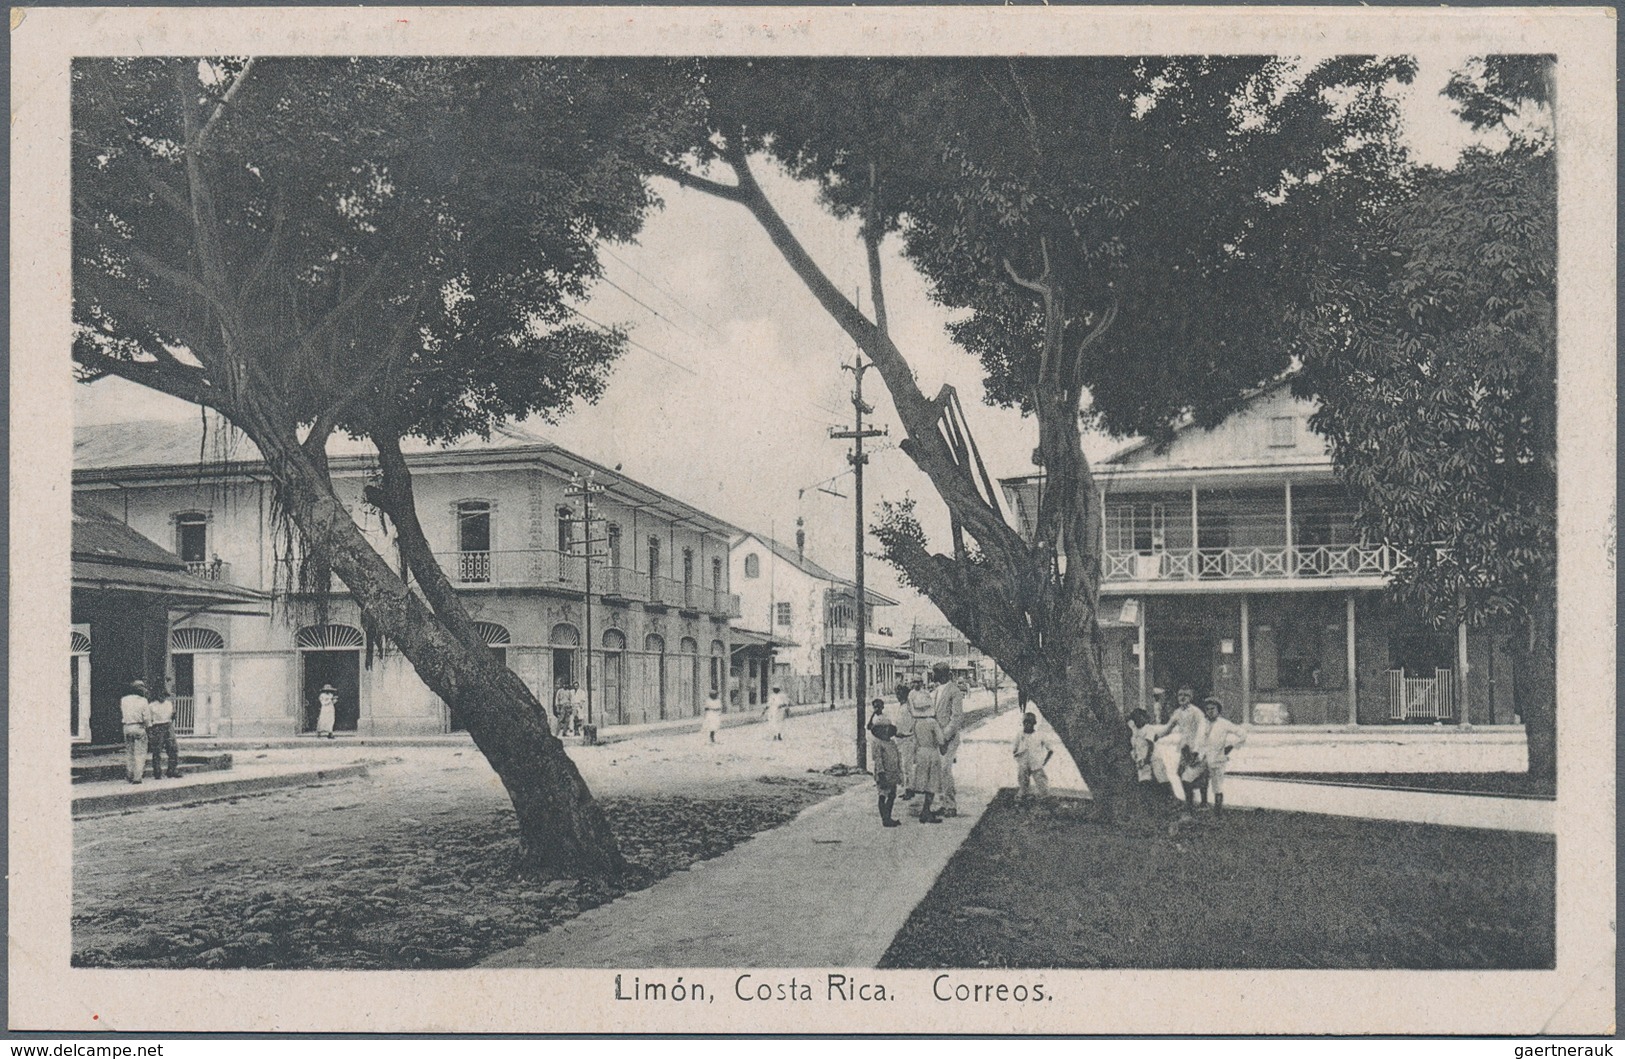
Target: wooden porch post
[(1354, 698), (1291, 557), (1196, 540), (1246, 664)]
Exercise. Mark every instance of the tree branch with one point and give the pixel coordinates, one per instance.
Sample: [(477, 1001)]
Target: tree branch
[(188, 384), (732, 193), (219, 108)]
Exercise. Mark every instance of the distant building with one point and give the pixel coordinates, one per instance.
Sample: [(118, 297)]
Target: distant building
[(505, 530), (931, 645), (1231, 562), (797, 599)]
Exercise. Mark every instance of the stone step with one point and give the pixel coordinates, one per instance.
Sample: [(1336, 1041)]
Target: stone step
[(103, 768)]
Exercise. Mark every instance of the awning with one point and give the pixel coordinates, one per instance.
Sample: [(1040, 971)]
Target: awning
[(177, 587), (744, 638)]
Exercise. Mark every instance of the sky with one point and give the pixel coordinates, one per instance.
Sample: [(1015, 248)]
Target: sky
[(733, 377)]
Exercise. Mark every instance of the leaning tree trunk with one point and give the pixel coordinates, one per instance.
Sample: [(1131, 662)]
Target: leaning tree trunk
[(562, 830), (1011, 598)]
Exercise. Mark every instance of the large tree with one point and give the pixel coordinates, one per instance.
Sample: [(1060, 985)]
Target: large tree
[(386, 248), (1439, 398), (1144, 231)]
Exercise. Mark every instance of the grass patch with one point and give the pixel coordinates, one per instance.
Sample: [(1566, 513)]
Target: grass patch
[(1506, 784), (1258, 889)]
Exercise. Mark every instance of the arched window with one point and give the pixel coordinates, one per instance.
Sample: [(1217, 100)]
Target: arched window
[(564, 635), (492, 634), (79, 687), (614, 640), (329, 638), (80, 643), (753, 565), (654, 643), (190, 640), (564, 640)]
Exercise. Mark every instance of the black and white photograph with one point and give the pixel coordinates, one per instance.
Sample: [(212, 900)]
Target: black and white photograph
[(813, 520)]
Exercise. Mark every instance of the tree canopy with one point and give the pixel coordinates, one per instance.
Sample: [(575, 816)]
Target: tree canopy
[(1190, 201), (380, 243)]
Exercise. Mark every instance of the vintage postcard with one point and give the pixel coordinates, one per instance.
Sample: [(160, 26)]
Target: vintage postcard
[(790, 520)]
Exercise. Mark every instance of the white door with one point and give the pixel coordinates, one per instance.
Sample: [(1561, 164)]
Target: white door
[(206, 692)]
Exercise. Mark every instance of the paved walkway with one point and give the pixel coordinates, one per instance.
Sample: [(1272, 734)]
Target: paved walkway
[(108, 796), (829, 889)]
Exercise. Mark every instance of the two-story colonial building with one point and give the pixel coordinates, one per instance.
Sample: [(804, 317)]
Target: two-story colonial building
[(938, 644), (800, 601), (1231, 562), (508, 528)]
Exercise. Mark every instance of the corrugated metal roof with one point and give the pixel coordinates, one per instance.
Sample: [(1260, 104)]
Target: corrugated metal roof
[(100, 538)]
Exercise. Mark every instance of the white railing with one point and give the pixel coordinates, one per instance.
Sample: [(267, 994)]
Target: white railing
[(209, 569), (185, 719), (1257, 563), (1421, 698)]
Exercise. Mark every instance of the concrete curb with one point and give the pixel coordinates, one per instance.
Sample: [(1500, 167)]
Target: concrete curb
[(208, 792)]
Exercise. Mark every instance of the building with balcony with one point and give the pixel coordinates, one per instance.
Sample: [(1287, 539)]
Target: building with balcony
[(798, 600), (1231, 562), (650, 617)]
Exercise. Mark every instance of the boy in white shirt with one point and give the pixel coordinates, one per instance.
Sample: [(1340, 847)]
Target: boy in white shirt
[(1217, 740), (1032, 752)]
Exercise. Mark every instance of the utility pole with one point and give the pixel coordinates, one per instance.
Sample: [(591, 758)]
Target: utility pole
[(585, 488), (857, 458)]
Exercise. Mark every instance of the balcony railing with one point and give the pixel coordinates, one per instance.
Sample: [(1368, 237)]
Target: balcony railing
[(546, 568), (1255, 563), (209, 569)]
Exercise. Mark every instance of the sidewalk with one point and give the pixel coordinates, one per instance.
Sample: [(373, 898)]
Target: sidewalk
[(109, 796), (829, 889)]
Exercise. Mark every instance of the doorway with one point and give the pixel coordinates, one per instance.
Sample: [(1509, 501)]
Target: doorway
[(1181, 659), (342, 669)]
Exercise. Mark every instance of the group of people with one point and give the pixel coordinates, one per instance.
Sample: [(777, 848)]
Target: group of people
[(916, 751), (569, 706), (149, 723), (1185, 746)]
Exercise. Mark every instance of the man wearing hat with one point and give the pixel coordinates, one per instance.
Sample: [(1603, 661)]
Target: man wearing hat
[(133, 708), (327, 704), (949, 705)]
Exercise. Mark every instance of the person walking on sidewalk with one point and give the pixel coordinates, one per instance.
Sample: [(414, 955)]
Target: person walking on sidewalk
[(711, 719), (1219, 738), (161, 733), (949, 708), (133, 709), (928, 744), (327, 706), (776, 710), (1032, 752), (888, 768)]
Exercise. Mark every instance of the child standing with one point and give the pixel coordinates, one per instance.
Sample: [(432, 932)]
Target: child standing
[(1032, 752), (1220, 737), (888, 767)]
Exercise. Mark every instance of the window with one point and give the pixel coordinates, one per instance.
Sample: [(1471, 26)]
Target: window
[(566, 534), (474, 540), (614, 535), (654, 569), (192, 538), (753, 565), (716, 574), (783, 615), (1299, 643), (1136, 527), (1282, 433), (688, 568)]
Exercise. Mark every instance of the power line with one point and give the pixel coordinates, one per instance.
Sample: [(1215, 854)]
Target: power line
[(672, 297), (633, 342), (635, 299)]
